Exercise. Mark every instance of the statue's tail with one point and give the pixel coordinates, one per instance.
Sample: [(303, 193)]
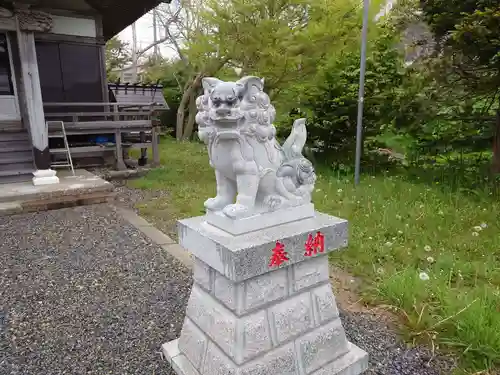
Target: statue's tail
[(293, 146)]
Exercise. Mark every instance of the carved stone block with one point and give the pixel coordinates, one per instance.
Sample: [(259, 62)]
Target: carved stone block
[(243, 318)]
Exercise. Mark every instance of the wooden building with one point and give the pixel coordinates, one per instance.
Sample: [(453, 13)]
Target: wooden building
[(52, 66)]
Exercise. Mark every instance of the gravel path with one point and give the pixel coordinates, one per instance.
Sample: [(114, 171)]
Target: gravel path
[(388, 354), (83, 292)]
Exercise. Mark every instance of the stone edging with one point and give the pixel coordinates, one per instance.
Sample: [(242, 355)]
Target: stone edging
[(156, 236)]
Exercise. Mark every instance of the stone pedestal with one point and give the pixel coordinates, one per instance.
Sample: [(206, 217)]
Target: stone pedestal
[(252, 314)]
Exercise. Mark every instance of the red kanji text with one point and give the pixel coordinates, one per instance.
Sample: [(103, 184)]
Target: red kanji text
[(279, 255), (313, 245)]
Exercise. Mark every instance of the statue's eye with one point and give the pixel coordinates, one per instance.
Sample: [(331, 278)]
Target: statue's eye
[(216, 100)]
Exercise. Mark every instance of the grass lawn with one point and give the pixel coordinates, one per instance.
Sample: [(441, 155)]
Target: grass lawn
[(429, 254)]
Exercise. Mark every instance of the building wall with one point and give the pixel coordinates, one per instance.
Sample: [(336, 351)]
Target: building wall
[(70, 59), (69, 72)]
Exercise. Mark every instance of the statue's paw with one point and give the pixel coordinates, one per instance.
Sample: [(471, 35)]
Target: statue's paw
[(235, 211), (216, 204)]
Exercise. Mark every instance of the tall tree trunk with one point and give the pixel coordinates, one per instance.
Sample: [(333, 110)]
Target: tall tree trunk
[(181, 111), (179, 126), (496, 145), (188, 130)]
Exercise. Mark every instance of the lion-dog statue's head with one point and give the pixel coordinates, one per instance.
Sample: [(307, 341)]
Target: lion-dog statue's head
[(240, 105)]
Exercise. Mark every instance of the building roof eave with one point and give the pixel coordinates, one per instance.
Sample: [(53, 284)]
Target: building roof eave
[(118, 14)]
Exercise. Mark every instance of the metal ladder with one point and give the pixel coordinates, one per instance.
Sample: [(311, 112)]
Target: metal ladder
[(69, 160)]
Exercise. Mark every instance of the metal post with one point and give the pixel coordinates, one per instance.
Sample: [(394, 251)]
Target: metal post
[(134, 54), (156, 53), (359, 129)]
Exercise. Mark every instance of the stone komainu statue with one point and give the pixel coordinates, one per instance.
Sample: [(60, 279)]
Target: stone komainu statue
[(254, 173)]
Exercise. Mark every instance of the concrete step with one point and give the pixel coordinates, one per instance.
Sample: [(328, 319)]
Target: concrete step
[(17, 136), (16, 157), (13, 179), (82, 188), (15, 169), (10, 208), (72, 191), (14, 146)]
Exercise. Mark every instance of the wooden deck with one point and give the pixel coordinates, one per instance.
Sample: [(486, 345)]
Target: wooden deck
[(112, 119)]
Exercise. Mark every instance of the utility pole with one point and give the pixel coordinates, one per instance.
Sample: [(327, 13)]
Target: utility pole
[(156, 52), (361, 94), (134, 53)]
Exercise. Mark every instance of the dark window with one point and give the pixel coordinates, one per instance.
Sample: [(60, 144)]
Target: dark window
[(6, 86), (69, 72), (49, 69), (81, 71)]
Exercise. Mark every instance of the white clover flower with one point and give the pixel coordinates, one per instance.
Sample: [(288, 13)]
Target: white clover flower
[(318, 190), (370, 238), (478, 228), (484, 225), (380, 271), (424, 276), (388, 244), (400, 232), (427, 248), (430, 259), (475, 234), (339, 191)]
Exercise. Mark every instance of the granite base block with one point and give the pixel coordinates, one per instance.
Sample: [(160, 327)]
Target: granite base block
[(247, 255), (260, 221), (246, 316), (354, 362)]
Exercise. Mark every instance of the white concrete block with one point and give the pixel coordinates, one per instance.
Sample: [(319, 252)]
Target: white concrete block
[(248, 255), (216, 321), (263, 289), (309, 273), (255, 338), (193, 343), (202, 274), (321, 346), (280, 361), (324, 304), (259, 220), (291, 317)]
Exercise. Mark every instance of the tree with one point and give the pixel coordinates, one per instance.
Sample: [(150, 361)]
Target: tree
[(466, 33), (184, 29), (117, 56), (332, 129), (284, 42)]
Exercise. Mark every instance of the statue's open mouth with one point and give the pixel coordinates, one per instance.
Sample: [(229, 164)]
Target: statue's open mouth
[(226, 120)]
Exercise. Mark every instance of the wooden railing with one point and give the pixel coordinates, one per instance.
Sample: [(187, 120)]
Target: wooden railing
[(109, 118), (110, 115)]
